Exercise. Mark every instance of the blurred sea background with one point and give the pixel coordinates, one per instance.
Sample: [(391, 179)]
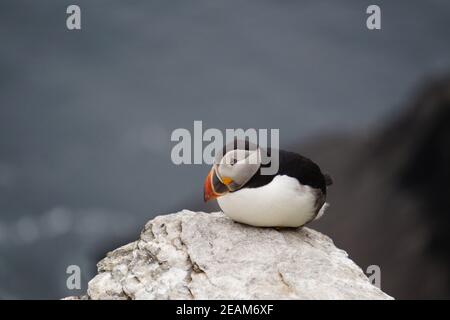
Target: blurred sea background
[(86, 118)]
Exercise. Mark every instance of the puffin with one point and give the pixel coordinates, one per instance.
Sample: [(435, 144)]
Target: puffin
[(291, 197)]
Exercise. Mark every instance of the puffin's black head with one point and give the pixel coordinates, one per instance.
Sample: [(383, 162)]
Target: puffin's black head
[(234, 167)]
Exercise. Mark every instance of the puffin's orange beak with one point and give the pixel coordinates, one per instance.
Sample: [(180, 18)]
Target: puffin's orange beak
[(208, 190), (214, 187)]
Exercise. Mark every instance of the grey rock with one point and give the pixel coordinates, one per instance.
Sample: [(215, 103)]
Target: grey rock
[(195, 255)]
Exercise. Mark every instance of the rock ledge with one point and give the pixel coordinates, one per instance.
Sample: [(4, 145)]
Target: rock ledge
[(195, 255)]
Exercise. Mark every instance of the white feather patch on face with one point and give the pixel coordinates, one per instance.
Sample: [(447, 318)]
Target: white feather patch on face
[(239, 166), (284, 202)]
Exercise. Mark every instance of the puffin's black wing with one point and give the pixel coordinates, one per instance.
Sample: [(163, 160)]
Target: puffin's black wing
[(296, 166), (303, 169)]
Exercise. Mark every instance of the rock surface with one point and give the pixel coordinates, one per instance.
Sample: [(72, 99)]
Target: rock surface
[(191, 255)]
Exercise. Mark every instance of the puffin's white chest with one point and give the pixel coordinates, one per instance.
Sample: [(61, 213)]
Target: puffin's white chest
[(284, 202)]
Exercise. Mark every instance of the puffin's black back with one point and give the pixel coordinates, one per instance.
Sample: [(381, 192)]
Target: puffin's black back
[(295, 166)]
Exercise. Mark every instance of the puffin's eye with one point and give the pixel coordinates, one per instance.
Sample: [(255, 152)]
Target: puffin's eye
[(233, 161)]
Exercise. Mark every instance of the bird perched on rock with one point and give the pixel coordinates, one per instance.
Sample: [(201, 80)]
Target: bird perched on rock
[(291, 197)]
